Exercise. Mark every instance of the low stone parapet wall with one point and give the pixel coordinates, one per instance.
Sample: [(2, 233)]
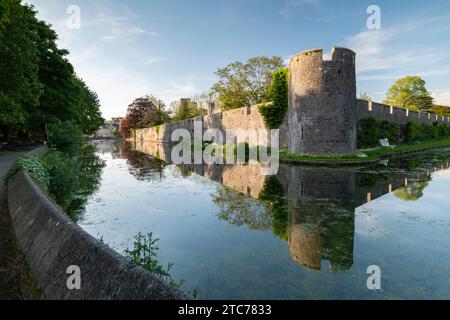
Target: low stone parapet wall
[(51, 243)]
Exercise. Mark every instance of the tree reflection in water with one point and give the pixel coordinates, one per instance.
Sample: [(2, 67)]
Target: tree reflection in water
[(87, 181), (142, 166), (273, 196), (239, 209), (413, 191)]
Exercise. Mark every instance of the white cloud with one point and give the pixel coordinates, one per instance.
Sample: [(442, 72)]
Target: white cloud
[(153, 60), (120, 27), (441, 97), (389, 49), (396, 75), (118, 86), (110, 74), (109, 38), (288, 9), (375, 52)]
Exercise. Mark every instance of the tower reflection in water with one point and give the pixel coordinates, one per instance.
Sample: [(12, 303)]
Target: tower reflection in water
[(312, 208)]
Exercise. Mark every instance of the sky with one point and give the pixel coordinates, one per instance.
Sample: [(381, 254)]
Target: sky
[(172, 48)]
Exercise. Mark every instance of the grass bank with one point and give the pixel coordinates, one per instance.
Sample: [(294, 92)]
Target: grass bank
[(365, 155)]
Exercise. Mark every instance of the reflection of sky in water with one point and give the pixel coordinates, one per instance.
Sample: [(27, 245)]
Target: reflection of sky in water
[(409, 240)]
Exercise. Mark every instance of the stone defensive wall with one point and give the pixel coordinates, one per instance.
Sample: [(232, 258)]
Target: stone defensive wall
[(242, 119), (366, 109), (238, 121), (322, 102), (322, 110), (51, 242)]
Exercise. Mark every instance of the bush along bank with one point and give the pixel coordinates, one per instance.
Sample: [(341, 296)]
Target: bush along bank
[(370, 130), (69, 172)]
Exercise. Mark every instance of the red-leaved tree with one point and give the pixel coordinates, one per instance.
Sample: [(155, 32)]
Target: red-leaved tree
[(143, 113)]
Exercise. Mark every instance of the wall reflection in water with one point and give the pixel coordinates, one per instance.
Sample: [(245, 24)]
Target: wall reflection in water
[(312, 208)]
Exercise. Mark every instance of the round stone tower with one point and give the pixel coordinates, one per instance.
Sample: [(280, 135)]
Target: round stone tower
[(322, 103)]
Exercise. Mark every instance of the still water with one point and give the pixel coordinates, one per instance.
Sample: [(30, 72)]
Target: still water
[(306, 233)]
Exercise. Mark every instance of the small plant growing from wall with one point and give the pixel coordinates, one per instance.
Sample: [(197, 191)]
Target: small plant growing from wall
[(145, 254), (274, 113)]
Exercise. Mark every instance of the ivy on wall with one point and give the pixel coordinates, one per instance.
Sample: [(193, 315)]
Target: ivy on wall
[(273, 114)]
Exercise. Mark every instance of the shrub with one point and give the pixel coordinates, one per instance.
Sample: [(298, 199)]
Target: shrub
[(274, 114), (368, 132), (64, 172), (414, 132), (66, 137), (389, 130), (444, 130), (32, 166), (433, 131)]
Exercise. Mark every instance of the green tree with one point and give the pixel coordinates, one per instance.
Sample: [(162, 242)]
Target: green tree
[(187, 110), (441, 110), (88, 114), (156, 101), (19, 84), (364, 96), (410, 93), (66, 97), (4, 12), (38, 84), (245, 84), (66, 137)]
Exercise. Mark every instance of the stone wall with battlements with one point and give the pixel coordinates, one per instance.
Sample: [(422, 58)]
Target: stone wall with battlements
[(366, 109), (322, 103), (323, 110), (238, 121)]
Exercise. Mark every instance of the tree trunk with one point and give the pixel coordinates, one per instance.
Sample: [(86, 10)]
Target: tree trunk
[(5, 133)]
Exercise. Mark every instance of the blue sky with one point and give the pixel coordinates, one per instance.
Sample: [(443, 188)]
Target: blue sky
[(171, 49)]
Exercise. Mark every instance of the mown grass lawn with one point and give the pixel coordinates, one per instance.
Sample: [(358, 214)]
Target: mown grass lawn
[(369, 154)]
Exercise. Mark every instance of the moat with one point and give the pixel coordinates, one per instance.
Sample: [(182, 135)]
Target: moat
[(306, 233)]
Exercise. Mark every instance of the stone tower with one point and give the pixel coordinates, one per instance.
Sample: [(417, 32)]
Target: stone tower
[(322, 103)]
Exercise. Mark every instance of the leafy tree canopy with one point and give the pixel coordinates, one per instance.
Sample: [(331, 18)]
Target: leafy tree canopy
[(144, 112), (20, 88), (38, 85), (364, 96), (410, 93), (441, 110), (245, 84), (187, 110)]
